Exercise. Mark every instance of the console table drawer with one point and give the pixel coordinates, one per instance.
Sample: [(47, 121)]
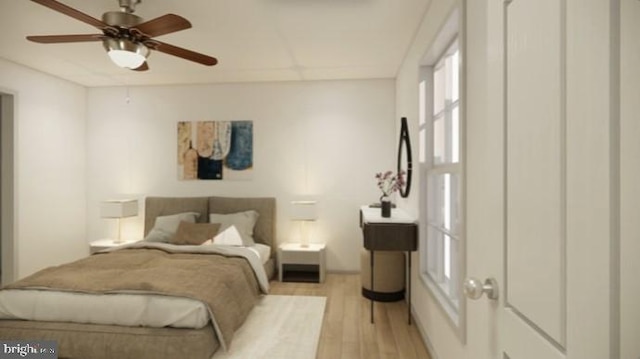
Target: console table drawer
[(390, 237)]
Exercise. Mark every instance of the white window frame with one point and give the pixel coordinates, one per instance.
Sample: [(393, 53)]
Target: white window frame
[(446, 290)]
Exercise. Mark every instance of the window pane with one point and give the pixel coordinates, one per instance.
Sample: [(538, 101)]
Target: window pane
[(455, 68), (447, 256), (433, 238), (453, 270), (452, 187), (439, 140), (448, 64), (443, 199), (455, 135), (435, 199), (422, 137), (432, 200), (422, 93), (439, 81), (446, 137), (446, 201)]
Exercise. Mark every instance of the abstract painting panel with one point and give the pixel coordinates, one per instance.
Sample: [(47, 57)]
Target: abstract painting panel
[(215, 150)]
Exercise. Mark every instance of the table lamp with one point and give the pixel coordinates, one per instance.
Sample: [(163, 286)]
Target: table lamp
[(119, 209), (304, 212)]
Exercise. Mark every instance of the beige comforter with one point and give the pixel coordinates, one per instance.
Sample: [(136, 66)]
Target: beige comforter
[(219, 277)]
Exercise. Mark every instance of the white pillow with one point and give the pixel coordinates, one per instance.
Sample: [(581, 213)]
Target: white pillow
[(243, 221), (165, 227), (228, 237)]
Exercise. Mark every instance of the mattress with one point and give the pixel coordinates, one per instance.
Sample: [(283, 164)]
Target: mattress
[(128, 308), (92, 341), (149, 310)]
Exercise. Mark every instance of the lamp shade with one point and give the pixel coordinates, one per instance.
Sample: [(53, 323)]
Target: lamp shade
[(126, 53), (304, 211), (119, 208)]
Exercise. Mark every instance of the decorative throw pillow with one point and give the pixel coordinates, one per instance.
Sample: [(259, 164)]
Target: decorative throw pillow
[(229, 237), (165, 227), (194, 233), (243, 221)]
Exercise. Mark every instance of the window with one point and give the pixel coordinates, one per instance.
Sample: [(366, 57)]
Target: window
[(441, 177)]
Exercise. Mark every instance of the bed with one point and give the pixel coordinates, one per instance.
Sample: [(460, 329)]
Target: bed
[(206, 274)]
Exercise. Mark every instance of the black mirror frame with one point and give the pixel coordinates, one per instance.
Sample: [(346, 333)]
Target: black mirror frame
[(404, 139)]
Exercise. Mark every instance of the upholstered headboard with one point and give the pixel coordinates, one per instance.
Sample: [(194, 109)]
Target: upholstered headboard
[(264, 231)]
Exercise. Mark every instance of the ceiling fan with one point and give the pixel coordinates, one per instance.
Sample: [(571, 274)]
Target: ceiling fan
[(125, 36)]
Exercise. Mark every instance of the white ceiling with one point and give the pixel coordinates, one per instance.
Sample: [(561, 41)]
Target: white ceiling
[(253, 40)]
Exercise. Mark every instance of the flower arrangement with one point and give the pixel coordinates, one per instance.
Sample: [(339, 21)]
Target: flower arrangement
[(389, 182)]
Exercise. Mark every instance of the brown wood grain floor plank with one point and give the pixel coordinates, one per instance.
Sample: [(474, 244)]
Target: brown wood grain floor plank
[(346, 330)]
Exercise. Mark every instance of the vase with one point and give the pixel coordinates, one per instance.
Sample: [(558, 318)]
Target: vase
[(385, 207)]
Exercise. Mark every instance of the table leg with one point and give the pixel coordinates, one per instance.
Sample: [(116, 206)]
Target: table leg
[(371, 262), (409, 286)]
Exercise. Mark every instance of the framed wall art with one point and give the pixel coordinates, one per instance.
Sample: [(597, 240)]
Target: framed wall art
[(215, 150)]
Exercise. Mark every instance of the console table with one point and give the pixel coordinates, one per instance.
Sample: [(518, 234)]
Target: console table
[(396, 233)]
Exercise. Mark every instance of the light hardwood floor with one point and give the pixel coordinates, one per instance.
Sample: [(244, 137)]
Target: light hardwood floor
[(347, 332)]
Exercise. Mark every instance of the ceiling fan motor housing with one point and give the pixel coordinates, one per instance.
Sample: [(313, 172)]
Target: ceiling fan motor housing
[(121, 19)]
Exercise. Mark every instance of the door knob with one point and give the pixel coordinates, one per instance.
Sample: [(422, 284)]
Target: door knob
[(474, 288)]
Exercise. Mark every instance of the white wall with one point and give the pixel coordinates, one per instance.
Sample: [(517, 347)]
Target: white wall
[(49, 173), (325, 139)]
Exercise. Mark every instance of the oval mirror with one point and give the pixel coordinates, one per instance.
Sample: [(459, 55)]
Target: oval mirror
[(404, 157)]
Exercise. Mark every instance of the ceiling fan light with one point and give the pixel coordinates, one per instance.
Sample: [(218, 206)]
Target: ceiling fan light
[(126, 59), (125, 53)]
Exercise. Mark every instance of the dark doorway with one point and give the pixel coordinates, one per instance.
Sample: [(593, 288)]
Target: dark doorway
[(7, 245)]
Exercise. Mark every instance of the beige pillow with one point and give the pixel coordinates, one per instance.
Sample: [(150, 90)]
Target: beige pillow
[(165, 227), (194, 233)]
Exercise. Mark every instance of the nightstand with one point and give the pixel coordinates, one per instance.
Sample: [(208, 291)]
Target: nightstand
[(301, 264), (101, 244)]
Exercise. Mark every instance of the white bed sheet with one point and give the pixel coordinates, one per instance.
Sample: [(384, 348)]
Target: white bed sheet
[(262, 250), (113, 309), (126, 309)]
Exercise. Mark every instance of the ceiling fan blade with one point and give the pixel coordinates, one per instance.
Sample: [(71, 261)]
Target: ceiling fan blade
[(143, 67), (163, 25), (69, 11), (185, 54), (54, 39)]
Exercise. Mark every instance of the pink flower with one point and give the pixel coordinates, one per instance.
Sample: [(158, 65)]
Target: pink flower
[(389, 183)]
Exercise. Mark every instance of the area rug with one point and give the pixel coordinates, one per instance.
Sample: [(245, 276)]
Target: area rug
[(280, 326)]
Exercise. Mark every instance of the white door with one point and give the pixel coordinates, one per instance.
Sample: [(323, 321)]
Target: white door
[(549, 105)]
